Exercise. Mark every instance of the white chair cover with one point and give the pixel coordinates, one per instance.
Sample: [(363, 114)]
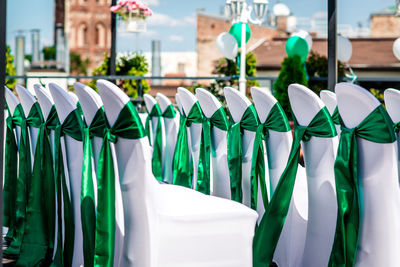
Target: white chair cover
[(237, 104), (169, 225), (170, 132), (91, 102), (379, 237), (319, 158), (187, 100), (392, 103), (72, 154), (12, 102), (220, 183), (330, 101)]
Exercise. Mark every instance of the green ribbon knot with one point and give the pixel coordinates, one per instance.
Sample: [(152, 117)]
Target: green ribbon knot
[(169, 112), (182, 162), (270, 228), (157, 146), (336, 116), (376, 127)]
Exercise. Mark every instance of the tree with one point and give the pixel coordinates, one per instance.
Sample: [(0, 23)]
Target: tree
[(78, 66), (133, 65), (49, 52), (292, 71), (10, 69)]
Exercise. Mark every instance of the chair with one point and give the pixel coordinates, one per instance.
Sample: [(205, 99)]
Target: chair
[(289, 249), (91, 103), (330, 101), (170, 132), (168, 225), (150, 101), (27, 101), (72, 155), (220, 178), (392, 100), (187, 100), (379, 237), (73, 96), (12, 103), (319, 161), (237, 104)]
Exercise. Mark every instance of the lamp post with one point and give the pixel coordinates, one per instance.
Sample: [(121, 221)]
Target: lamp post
[(239, 11)]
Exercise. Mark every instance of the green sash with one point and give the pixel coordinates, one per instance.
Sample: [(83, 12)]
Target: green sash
[(376, 127), (250, 122), (270, 228), (336, 116), (169, 112), (73, 127), (182, 172), (220, 121), (88, 209), (10, 175), (157, 146), (24, 174), (38, 242), (129, 126)]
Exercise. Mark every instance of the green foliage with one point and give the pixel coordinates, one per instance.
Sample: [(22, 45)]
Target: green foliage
[(10, 69), (292, 71), (77, 65), (49, 52), (378, 94), (317, 66), (135, 65), (28, 57)]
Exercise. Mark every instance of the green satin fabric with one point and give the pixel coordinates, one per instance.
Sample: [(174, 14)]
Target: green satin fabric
[(34, 119), (250, 122), (182, 169), (73, 127), (129, 126), (157, 146), (38, 243), (270, 228), (10, 175), (396, 127), (377, 127), (88, 208), (220, 121), (169, 112), (336, 116)]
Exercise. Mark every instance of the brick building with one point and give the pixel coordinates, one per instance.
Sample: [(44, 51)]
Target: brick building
[(385, 23)]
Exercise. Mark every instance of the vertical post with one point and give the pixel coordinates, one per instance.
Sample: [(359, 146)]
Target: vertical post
[(332, 35), (113, 39), (242, 77), (3, 48)]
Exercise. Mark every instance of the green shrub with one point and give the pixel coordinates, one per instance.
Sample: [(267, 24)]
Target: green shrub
[(10, 69)]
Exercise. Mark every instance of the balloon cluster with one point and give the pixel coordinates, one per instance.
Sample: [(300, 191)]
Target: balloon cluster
[(228, 43), (396, 48), (299, 44)]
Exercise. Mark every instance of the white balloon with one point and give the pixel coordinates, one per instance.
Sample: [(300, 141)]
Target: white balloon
[(344, 49), (306, 36), (227, 45), (396, 48)]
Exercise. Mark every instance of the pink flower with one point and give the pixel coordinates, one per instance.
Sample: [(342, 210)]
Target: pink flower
[(148, 12), (141, 5), (123, 3), (115, 8), (131, 6)]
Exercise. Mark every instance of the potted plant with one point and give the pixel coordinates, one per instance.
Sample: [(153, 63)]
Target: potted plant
[(133, 14)]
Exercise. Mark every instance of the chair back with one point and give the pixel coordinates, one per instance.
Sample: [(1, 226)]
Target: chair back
[(188, 100), (170, 133), (237, 104), (72, 155), (12, 102), (379, 240), (27, 101), (45, 100), (138, 185), (319, 158), (73, 97), (220, 178), (150, 101), (330, 101), (279, 143)]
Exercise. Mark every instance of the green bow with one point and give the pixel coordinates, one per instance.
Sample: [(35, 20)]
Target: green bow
[(38, 243), (250, 122), (10, 176), (157, 146), (73, 127), (396, 127), (376, 127), (169, 112), (88, 209), (270, 228), (128, 126), (182, 169), (336, 116), (219, 120), (24, 174)]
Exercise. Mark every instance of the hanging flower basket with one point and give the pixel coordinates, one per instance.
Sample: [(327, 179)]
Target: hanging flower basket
[(133, 14)]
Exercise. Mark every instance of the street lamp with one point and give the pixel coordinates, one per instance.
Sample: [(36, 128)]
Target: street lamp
[(239, 11)]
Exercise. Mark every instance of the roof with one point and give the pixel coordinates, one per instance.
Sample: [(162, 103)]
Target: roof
[(384, 12), (368, 53)]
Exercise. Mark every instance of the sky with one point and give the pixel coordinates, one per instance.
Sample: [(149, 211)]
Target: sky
[(174, 21)]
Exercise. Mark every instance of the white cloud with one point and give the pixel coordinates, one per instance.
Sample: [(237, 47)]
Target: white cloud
[(320, 15), (176, 38), (152, 2), (149, 33), (159, 19)]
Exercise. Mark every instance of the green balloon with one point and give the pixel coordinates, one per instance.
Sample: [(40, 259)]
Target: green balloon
[(297, 46), (236, 31)]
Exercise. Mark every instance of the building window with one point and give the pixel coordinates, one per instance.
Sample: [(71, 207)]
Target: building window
[(100, 35), (82, 35)]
